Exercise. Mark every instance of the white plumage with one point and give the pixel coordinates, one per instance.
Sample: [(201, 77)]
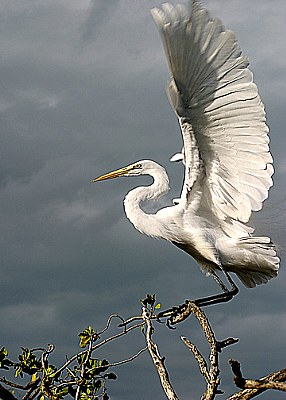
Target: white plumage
[(228, 165)]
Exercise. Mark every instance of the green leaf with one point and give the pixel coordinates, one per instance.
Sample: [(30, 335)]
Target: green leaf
[(50, 374), (28, 363), (86, 336)]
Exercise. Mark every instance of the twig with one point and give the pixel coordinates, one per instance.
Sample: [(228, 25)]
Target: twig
[(17, 386), (129, 320), (31, 394), (226, 342), (109, 323), (126, 360), (116, 336), (95, 347), (157, 359), (45, 354)]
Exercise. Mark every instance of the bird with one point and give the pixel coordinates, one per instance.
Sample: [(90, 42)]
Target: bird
[(226, 157)]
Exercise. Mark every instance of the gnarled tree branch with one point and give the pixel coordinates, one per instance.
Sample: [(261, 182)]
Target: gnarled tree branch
[(157, 359), (251, 387)]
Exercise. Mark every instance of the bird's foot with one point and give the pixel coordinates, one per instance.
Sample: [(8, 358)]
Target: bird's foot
[(179, 313), (176, 314)]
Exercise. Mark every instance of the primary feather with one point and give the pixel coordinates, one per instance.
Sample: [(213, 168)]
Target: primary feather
[(219, 109)]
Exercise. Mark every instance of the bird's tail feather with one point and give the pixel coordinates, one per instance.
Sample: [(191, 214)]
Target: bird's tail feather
[(254, 260)]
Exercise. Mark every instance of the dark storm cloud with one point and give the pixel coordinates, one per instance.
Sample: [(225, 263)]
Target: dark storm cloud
[(98, 14), (82, 93)]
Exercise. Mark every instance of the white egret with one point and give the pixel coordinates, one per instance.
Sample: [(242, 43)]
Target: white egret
[(228, 165)]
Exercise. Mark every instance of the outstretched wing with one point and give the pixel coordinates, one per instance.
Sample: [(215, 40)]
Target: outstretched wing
[(220, 112)]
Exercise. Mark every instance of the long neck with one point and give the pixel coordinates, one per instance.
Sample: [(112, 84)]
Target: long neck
[(146, 223)]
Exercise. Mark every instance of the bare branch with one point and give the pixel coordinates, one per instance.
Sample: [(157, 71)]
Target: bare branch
[(252, 387), (17, 386), (124, 332), (226, 342), (129, 320), (211, 375), (157, 359), (109, 322), (45, 354), (200, 359), (31, 394), (126, 360)]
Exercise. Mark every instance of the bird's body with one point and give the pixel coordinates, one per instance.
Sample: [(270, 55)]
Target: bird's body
[(200, 233), (228, 166)]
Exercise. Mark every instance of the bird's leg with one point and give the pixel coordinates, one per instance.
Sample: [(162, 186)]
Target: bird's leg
[(227, 294), (219, 282), (181, 312)]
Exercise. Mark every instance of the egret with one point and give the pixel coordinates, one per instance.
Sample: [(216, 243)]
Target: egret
[(228, 165)]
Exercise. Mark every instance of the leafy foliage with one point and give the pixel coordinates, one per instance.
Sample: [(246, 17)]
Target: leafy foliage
[(82, 376), (28, 363), (87, 336)]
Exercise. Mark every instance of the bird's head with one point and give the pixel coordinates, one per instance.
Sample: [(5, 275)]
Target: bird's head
[(143, 167)]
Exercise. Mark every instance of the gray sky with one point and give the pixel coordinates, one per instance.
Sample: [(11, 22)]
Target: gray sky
[(82, 93)]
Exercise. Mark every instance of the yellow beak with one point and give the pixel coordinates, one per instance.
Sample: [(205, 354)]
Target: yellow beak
[(114, 174)]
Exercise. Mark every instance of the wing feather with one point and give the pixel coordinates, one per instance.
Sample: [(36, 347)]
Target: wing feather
[(222, 118)]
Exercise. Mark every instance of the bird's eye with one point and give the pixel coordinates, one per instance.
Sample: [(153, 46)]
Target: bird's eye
[(137, 166)]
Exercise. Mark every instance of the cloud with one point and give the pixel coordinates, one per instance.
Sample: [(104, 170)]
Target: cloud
[(83, 93), (98, 14)]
